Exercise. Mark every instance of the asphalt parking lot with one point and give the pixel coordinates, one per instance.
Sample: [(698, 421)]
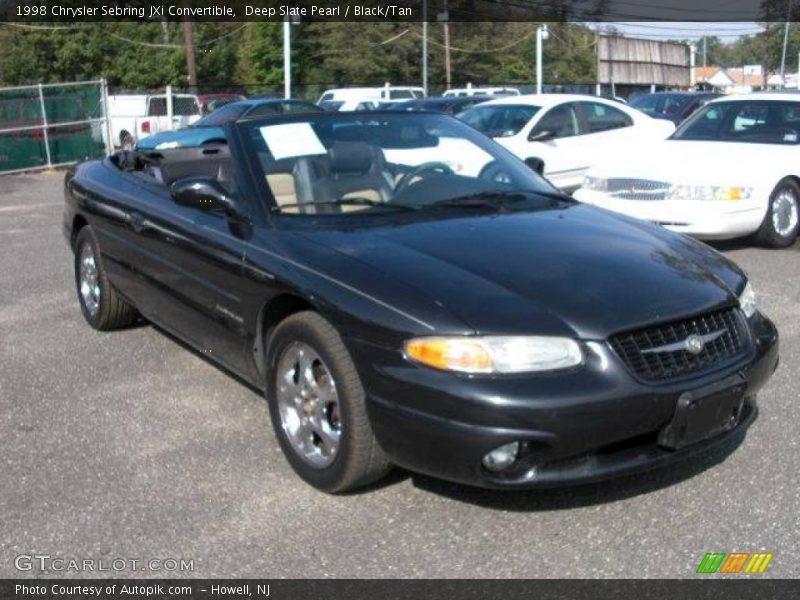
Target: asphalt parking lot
[(128, 445)]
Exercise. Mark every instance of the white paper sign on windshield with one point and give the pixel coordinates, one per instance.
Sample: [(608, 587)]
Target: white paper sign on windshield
[(291, 140)]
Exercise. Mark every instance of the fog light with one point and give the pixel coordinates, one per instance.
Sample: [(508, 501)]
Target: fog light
[(501, 457)]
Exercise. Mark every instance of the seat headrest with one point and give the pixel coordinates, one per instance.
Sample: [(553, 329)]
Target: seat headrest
[(350, 157)]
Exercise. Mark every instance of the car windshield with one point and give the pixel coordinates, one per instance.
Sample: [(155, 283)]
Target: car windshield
[(223, 115), (215, 102), (660, 104), (350, 163), (331, 105), (752, 121), (499, 120)]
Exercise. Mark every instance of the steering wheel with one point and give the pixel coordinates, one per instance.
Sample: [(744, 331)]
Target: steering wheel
[(494, 172), (419, 171)]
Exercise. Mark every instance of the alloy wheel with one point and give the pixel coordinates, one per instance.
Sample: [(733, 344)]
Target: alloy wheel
[(309, 405), (785, 212), (89, 279)]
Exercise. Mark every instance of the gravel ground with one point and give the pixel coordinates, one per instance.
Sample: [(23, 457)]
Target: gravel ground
[(127, 445)]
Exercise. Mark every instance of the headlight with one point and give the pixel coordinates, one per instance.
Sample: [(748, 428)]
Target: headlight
[(747, 300), (495, 354), (597, 184), (709, 192)]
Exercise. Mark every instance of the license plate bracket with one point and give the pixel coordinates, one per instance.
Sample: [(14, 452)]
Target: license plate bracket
[(705, 412)]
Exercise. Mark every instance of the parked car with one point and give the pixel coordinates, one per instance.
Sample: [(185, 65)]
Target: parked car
[(731, 170), (672, 106), (386, 93), (481, 91), (208, 130), (483, 328), (450, 105), (562, 135), (132, 116)]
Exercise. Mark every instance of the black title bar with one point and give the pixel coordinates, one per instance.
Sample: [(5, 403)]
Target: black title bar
[(32, 11), (700, 588)]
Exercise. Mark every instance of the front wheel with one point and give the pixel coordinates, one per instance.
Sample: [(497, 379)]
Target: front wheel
[(780, 226), (317, 405)]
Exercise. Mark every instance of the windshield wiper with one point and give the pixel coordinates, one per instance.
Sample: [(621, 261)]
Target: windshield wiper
[(351, 201), (498, 198)]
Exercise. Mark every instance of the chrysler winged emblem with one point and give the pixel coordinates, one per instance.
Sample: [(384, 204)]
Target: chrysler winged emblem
[(694, 344)]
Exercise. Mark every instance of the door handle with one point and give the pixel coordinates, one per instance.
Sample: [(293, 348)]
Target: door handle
[(136, 221)]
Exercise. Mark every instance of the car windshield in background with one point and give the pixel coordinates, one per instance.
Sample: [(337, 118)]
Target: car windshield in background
[(499, 120), (223, 115), (335, 163), (664, 104), (331, 105), (752, 121)]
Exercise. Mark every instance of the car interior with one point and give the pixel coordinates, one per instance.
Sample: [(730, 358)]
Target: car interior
[(353, 167)]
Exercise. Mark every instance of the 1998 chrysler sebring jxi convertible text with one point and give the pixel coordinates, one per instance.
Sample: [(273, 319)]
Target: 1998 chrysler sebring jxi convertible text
[(407, 292)]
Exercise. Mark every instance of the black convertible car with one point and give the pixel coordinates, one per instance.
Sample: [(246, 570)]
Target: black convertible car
[(407, 292)]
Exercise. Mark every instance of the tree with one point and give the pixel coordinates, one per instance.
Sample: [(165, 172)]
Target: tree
[(260, 55)]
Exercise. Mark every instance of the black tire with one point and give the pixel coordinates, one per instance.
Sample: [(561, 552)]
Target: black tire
[(111, 310), (126, 141), (768, 234), (359, 459)]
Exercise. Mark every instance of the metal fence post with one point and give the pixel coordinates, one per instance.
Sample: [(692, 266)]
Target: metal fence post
[(107, 119), (44, 121), (170, 109)]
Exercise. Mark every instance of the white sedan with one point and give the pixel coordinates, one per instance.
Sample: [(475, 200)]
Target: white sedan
[(562, 135), (729, 171)]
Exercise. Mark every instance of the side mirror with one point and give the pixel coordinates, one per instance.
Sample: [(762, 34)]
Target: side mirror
[(542, 135), (203, 193), (535, 164)]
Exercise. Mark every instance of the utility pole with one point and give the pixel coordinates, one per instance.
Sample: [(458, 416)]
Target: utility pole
[(188, 45), (446, 25), (425, 47), (705, 51), (785, 42), (541, 34), (287, 58)]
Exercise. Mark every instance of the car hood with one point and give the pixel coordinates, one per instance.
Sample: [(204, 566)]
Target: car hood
[(696, 162), (577, 270), (190, 136)]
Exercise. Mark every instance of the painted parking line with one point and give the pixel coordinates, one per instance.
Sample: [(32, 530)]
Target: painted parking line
[(19, 207)]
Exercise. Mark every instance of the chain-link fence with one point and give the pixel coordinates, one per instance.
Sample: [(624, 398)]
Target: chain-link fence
[(43, 126)]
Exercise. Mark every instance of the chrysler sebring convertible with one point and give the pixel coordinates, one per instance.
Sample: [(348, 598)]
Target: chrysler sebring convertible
[(407, 292), (732, 170)]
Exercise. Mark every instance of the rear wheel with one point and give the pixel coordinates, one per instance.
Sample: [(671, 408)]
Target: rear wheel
[(126, 141), (101, 305), (780, 226), (317, 406)]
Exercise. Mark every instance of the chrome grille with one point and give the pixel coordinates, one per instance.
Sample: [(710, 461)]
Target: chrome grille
[(642, 353), (637, 189)]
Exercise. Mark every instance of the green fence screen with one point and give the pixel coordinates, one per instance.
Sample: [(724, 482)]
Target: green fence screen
[(74, 117)]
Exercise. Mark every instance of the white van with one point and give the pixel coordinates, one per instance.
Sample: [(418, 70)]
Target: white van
[(346, 98), (481, 91), (132, 116)]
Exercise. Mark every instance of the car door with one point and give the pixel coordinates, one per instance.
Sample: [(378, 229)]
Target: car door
[(191, 262), (555, 139)]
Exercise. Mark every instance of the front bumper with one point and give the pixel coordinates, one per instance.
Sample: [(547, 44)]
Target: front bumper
[(577, 426), (705, 220)]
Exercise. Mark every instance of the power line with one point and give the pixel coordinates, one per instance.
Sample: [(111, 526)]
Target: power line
[(488, 51)]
